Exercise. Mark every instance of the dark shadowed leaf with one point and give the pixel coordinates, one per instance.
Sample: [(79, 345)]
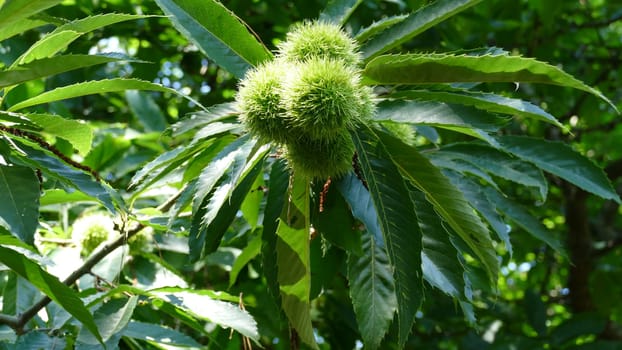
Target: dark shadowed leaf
[(19, 207), (372, 291), (398, 222)]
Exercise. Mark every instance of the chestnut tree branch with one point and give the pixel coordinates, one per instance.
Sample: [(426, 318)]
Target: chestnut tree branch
[(17, 323)]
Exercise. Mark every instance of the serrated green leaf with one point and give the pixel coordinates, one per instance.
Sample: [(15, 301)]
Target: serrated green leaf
[(438, 114), (196, 121), (57, 40), (150, 332), (561, 160), (15, 11), (293, 259), (78, 134), (448, 68), (448, 201), (53, 167), (377, 27), (475, 194), (524, 219), (19, 207), (415, 24), (440, 263), (222, 313), (338, 11), (277, 194), (111, 318), (50, 286), (497, 163), (398, 222), (361, 204), (217, 211), (463, 167), (485, 101), (372, 291), (217, 32), (231, 160), (95, 87), (20, 27), (53, 65)]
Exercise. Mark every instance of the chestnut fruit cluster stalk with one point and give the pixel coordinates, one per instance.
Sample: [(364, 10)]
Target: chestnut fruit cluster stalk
[(308, 98)]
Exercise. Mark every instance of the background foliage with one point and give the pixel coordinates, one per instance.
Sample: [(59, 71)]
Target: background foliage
[(557, 283)]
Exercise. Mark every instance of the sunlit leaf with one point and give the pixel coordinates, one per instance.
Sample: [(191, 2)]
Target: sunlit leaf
[(94, 87), (292, 252), (448, 68), (415, 24), (78, 134), (218, 32), (219, 312)]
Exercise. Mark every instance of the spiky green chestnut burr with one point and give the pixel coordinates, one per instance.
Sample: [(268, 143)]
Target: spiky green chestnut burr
[(322, 97), (91, 230), (319, 40), (260, 104), (321, 159)]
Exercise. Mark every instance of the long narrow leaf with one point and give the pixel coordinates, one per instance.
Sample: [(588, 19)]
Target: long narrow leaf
[(372, 291), (437, 114), (398, 221), (559, 159), (293, 260), (524, 219), (485, 101), (377, 27), (446, 199), (414, 24), (216, 212), (57, 40), (54, 65), (448, 68), (95, 87), (495, 162), (218, 32), (15, 11), (50, 286), (440, 263), (277, 196)]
